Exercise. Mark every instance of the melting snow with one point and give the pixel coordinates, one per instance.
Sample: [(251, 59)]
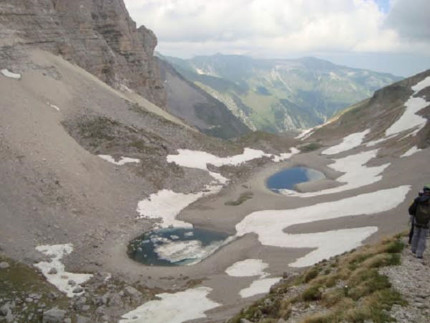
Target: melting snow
[(121, 161), (247, 268), (10, 74), (410, 120), (271, 224), (348, 143), (411, 151), (261, 286), (173, 308), (60, 278), (190, 251), (54, 106), (166, 205), (356, 174)]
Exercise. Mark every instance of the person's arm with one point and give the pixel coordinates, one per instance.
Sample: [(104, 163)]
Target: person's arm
[(413, 207)]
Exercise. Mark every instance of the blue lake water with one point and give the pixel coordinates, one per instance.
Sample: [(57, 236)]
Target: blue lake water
[(175, 246), (289, 177)]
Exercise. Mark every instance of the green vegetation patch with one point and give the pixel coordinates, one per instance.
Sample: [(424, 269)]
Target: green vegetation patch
[(347, 288), (242, 198)]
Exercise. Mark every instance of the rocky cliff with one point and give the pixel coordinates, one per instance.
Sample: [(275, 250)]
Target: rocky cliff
[(97, 35)]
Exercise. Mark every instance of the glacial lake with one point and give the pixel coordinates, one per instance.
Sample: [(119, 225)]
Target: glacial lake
[(289, 177), (175, 246)]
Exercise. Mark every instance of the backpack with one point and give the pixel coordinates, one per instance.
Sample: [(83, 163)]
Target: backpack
[(422, 215)]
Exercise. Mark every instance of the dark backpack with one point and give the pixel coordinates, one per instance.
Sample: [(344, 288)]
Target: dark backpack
[(422, 214)]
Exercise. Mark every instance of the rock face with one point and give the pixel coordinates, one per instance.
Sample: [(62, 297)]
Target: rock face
[(97, 35)]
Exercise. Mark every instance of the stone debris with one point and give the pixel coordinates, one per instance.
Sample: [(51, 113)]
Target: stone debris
[(412, 280), (4, 265)]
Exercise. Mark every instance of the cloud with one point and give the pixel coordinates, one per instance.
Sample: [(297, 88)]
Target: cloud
[(410, 19), (281, 27)]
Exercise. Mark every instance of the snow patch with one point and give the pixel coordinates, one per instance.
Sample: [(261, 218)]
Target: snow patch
[(356, 174), (410, 120), (173, 308), (247, 268), (10, 74), (121, 161), (270, 225), (261, 286), (166, 205), (352, 141), (54, 271), (411, 151), (53, 106)]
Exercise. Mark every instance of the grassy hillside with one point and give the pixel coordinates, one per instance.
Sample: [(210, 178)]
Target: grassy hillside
[(347, 288)]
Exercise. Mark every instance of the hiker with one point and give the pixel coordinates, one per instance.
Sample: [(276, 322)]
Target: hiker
[(420, 211)]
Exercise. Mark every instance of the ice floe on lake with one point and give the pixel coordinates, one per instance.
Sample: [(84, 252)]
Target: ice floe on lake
[(349, 142), (270, 225), (55, 273), (10, 74), (173, 308), (121, 161)]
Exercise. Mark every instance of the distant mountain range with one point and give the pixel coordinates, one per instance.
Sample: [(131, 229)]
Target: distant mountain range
[(277, 95)]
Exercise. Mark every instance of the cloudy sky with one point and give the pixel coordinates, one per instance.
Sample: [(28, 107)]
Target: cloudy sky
[(382, 35)]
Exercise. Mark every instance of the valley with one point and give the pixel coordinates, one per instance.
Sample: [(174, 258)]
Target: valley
[(116, 209)]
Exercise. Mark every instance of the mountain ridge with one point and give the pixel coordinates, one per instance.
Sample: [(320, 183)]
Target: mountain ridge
[(280, 94)]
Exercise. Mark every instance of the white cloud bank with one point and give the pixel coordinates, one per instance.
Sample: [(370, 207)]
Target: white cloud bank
[(173, 308), (279, 27), (55, 272), (270, 225)]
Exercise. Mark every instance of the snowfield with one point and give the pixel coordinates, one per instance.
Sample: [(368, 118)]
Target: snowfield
[(270, 225), (55, 272), (173, 308), (10, 74), (356, 174), (352, 141)]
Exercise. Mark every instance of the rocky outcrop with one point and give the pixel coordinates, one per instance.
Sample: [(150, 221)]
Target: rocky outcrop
[(97, 35)]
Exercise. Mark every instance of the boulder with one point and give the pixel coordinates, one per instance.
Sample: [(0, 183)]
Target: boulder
[(54, 315)]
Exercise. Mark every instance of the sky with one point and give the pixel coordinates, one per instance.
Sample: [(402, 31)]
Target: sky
[(382, 35)]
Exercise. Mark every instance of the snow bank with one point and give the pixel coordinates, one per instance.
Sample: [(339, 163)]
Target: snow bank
[(270, 225), (261, 286), (54, 271), (166, 205), (411, 151), (247, 268), (410, 120), (10, 74), (121, 161), (356, 174), (200, 159), (173, 308), (348, 143)]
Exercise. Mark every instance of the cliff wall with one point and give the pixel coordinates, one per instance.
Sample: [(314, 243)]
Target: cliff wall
[(97, 35)]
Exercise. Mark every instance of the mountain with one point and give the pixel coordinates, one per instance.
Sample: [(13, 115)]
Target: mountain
[(97, 35), (92, 173), (197, 108), (278, 95)]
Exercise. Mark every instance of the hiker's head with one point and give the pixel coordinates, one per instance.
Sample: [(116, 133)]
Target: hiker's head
[(426, 189)]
